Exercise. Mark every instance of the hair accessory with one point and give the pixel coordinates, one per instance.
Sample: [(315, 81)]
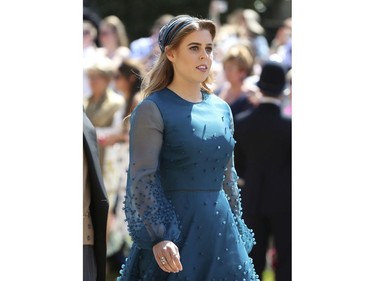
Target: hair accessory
[(169, 31)]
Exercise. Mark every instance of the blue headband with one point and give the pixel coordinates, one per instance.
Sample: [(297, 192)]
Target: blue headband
[(169, 31)]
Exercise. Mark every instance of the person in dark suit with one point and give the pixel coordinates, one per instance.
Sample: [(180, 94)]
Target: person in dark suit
[(95, 208), (263, 162)]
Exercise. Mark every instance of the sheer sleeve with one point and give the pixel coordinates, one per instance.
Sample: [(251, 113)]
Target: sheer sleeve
[(234, 197), (150, 216)]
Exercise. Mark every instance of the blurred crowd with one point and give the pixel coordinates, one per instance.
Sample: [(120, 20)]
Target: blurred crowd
[(113, 69)]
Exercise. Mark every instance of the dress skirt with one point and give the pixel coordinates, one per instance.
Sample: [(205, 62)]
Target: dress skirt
[(210, 245)]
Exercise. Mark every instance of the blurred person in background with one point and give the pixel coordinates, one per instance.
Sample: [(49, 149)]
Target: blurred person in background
[(128, 79), (113, 39), (227, 36), (216, 8), (90, 14), (238, 64), (263, 160), (102, 105), (281, 45), (95, 208), (146, 49), (249, 20), (89, 53), (128, 82)]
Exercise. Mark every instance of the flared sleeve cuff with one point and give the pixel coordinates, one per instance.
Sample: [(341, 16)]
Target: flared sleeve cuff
[(247, 235)]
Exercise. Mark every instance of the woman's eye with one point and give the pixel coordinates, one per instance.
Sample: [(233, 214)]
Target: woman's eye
[(194, 48), (209, 50)]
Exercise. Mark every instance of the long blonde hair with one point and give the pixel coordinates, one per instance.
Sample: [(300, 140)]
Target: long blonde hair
[(118, 27), (161, 74)]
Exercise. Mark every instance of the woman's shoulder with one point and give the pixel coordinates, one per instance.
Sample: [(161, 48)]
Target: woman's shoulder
[(145, 105), (158, 96), (148, 111)]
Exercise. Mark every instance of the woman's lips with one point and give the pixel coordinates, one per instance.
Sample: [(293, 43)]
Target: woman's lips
[(202, 67)]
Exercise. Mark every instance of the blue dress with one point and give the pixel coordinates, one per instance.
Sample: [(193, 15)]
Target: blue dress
[(182, 187)]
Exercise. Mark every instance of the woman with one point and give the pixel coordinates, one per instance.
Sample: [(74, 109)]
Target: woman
[(113, 39), (128, 81), (103, 103), (250, 21), (89, 53), (238, 64), (182, 203)]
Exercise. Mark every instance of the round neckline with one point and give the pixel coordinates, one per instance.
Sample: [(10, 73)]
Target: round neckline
[(185, 100)]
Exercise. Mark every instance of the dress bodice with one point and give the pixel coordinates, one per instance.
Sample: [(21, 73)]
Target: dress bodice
[(197, 142)]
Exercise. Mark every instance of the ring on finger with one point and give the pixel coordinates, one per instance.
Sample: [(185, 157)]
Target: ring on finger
[(163, 260)]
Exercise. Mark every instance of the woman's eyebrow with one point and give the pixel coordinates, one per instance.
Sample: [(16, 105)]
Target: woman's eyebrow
[(199, 44)]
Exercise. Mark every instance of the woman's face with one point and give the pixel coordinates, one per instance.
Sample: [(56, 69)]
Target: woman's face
[(122, 84), (98, 83), (233, 73), (192, 59), (107, 35)]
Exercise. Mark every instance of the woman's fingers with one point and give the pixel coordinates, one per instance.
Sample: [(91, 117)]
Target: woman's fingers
[(173, 262), (160, 264), (176, 261), (167, 256), (164, 265)]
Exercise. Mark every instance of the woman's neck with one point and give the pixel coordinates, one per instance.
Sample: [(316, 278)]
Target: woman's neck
[(188, 91), (111, 50), (236, 89), (96, 96), (232, 93)]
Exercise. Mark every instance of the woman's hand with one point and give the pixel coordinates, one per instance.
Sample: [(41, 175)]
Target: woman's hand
[(112, 139), (167, 256)]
